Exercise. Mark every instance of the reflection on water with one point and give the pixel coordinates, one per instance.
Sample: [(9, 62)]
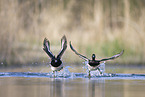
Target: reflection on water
[(56, 89), (96, 88), (79, 87), (70, 84)]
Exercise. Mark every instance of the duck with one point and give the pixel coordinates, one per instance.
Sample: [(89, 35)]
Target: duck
[(56, 63), (93, 64)]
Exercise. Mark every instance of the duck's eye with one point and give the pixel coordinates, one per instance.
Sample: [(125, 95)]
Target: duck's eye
[(55, 60)]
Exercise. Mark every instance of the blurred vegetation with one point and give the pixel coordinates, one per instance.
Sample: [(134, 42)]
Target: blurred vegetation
[(104, 27)]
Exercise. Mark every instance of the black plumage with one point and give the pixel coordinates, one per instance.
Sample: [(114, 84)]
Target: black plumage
[(56, 63)]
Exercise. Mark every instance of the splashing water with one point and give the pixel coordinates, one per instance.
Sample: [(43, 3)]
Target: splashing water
[(72, 75), (63, 73), (102, 67), (96, 72)]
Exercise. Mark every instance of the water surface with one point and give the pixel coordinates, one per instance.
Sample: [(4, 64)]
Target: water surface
[(36, 82), (78, 87)]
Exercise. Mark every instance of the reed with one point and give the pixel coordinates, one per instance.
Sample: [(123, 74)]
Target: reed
[(104, 27)]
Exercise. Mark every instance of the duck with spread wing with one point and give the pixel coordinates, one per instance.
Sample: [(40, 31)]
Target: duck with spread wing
[(56, 63), (94, 64)]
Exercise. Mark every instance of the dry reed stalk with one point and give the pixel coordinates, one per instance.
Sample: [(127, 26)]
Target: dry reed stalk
[(94, 26)]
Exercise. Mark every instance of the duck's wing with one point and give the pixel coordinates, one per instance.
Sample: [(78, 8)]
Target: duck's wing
[(83, 57), (113, 57), (63, 46), (46, 48)]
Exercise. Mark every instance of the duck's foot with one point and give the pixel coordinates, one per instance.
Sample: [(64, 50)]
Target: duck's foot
[(100, 71), (54, 74)]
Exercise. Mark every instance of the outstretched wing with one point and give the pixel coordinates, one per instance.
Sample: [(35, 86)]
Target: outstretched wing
[(83, 57), (63, 46), (113, 57), (46, 48)]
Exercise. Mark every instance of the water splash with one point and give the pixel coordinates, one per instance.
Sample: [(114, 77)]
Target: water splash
[(102, 67), (73, 75), (96, 72), (65, 73)]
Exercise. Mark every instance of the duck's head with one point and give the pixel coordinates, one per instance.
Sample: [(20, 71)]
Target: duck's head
[(93, 56)]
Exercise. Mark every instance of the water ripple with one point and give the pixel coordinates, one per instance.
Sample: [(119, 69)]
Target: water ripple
[(72, 75)]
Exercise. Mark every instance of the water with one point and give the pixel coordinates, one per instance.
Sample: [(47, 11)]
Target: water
[(70, 84), (78, 87), (107, 76)]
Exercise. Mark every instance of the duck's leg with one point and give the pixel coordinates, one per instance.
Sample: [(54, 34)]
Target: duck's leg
[(89, 74), (99, 70), (54, 74)]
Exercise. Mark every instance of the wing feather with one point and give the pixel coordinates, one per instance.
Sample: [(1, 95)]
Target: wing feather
[(63, 46), (46, 48), (113, 57)]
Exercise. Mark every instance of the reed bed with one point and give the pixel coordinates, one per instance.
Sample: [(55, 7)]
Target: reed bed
[(103, 27)]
